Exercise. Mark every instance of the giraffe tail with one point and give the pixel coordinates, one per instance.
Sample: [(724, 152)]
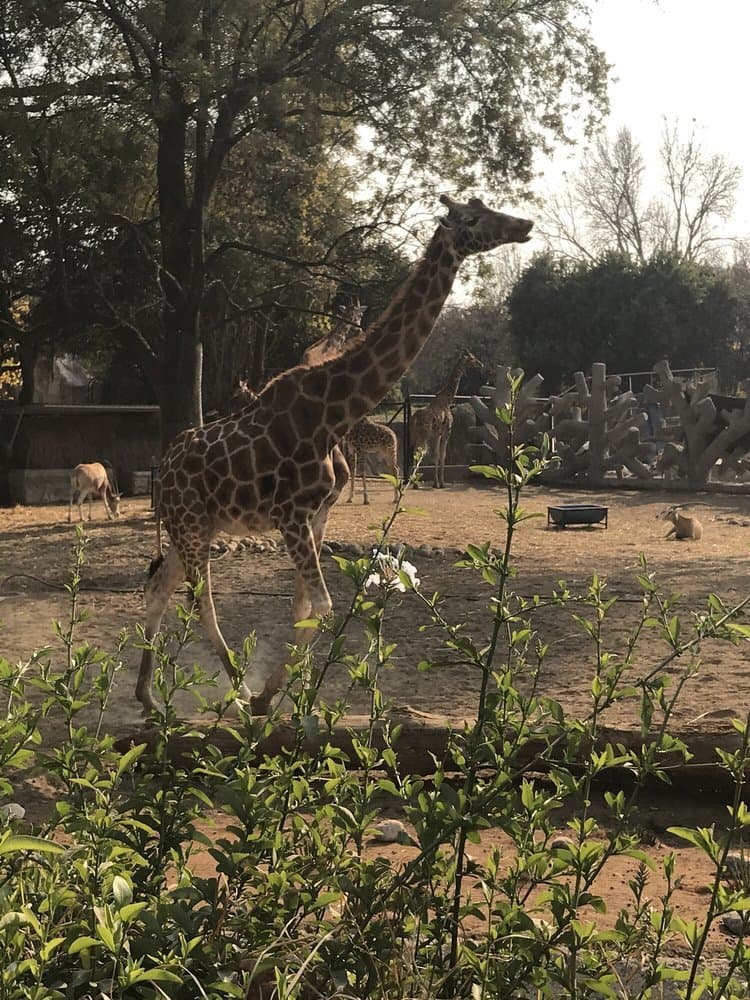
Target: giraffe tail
[(155, 564)]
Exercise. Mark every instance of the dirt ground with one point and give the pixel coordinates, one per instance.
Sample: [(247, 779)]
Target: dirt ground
[(253, 592)]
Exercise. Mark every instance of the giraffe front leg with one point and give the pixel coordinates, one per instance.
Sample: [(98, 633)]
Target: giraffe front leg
[(352, 477), (443, 449), (436, 466), (311, 597), (210, 624)]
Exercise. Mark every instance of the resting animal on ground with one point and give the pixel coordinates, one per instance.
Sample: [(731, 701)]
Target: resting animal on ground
[(90, 478), (683, 525)]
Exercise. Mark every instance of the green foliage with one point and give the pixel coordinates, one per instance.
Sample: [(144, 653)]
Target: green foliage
[(566, 315), (256, 149), (173, 868)]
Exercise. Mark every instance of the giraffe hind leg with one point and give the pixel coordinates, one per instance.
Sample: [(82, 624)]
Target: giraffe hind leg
[(162, 584)]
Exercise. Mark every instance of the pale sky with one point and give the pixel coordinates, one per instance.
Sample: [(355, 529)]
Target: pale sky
[(688, 60)]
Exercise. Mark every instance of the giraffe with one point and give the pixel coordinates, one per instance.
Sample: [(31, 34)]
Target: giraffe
[(369, 437), (244, 395), (430, 427), (333, 343), (276, 463)]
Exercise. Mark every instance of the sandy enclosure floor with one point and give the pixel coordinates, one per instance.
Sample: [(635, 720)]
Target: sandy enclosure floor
[(253, 590)]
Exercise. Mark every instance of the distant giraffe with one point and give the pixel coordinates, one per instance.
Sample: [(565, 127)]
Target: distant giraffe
[(333, 343), (430, 428), (369, 437), (276, 462)]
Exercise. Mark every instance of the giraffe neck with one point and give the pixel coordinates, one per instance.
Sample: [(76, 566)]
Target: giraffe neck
[(448, 393), (376, 359)]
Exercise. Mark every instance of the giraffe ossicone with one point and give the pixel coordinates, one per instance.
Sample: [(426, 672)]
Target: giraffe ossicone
[(276, 462)]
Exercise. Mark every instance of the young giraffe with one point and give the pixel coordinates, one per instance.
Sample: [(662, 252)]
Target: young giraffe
[(275, 463), (368, 437), (430, 427)]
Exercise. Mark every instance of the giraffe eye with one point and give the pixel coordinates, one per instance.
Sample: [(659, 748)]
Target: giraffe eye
[(473, 221)]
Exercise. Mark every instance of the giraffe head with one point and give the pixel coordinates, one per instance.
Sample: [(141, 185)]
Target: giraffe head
[(474, 228), (470, 363)]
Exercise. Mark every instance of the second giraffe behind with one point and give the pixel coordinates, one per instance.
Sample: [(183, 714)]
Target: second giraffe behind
[(368, 437), (430, 427)]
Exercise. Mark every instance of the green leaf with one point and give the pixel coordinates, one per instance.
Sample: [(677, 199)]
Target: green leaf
[(701, 838), (130, 757), (121, 891), (153, 976), (127, 913), (15, 843), (231, 989), (50, 947), (83, 942), (106, 936)]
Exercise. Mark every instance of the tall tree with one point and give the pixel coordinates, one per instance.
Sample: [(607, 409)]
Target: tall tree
[(565, 315), (605, 206), (445, 88)]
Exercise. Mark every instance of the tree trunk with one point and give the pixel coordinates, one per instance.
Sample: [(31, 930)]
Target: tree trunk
[(179, 388), (28, 352), (258, 364)]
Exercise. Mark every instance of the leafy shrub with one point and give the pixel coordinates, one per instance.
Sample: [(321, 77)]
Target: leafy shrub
[(106, 897)]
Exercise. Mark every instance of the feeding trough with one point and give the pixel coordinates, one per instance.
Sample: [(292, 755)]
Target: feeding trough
[(576, 513)]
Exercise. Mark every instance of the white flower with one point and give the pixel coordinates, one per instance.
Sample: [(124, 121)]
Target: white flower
[(385, 573)]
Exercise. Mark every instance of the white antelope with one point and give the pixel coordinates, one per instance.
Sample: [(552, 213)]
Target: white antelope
[(88, 479), (683, 525)]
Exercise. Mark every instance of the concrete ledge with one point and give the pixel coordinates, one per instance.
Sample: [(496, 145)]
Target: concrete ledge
[(39, 486)]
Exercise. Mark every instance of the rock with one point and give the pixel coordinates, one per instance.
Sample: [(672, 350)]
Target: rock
[(12, 810), (737, 869), (561, 842), (734, 923), (325, 547), (424, 551), (390, 831)]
